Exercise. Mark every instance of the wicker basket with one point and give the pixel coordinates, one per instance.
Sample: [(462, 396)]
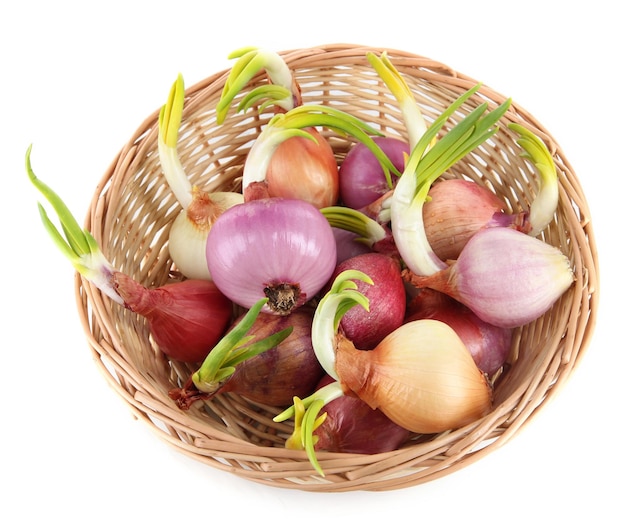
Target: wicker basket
[(130, 216)]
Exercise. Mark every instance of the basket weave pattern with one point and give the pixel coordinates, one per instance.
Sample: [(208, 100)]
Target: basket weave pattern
[(133, 207)]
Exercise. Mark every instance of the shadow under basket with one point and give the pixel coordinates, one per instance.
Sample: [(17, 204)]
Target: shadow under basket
[(133, 208)]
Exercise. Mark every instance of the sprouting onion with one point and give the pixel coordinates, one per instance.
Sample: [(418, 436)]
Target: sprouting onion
[(544, 204), (234, 348), (424, 167), (200, 209)]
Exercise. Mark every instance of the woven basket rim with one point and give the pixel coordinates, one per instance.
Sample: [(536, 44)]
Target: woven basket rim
[(420, 462)]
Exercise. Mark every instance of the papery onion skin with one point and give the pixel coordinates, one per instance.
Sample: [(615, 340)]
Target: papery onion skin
[(387, 299), (186, 318), (459, 208), (421, 376), (351, 426), (507, 278), (361, 178), (280, 248), (489, 345), (302, 168), (290, 369)]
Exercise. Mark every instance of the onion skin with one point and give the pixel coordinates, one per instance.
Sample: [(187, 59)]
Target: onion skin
[(387, 299), (421, 376), (459, 208), (290, 369), (302, 168), (351, 426), (186, 318), (489, 345), (361, 178), (280, 248), (507, 278)]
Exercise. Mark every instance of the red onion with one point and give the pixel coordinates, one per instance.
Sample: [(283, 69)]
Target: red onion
[(387, 299), (506, 277), (290, 369), (186, 318), (489, 345), (272, 377), (457, 209), (282, 249), (361, 177), (351, 426)]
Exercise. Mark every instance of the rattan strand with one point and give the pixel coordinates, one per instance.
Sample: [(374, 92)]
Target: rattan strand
[(132, 209)]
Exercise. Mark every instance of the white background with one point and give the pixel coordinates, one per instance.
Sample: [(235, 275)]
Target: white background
[(79, 78)]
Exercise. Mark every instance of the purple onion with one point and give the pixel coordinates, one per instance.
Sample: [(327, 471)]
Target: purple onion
[(506, 277), (361, 178), (282, 249)]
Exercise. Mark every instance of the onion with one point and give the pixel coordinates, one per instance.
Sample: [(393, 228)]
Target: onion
[(282, 249), (272, 376), (305, 169), (457, 209), (421, 376), (507, 278), (424, 166), (290, 369), (188, 232), (361, 177), (185, 318), (387, 299), (489, 345), (351, 426)]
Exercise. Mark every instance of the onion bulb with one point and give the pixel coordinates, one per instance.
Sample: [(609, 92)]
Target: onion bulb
[(273, 376), (298, 168), (386, 296), (200, 209), (421, 376), (458, 208), (361, 177), (351, 426), (507, 278), (282, 249)]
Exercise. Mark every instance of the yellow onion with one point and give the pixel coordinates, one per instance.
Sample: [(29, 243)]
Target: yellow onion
[(457, 209), (421, 376), (189, 231), (304, 169)]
